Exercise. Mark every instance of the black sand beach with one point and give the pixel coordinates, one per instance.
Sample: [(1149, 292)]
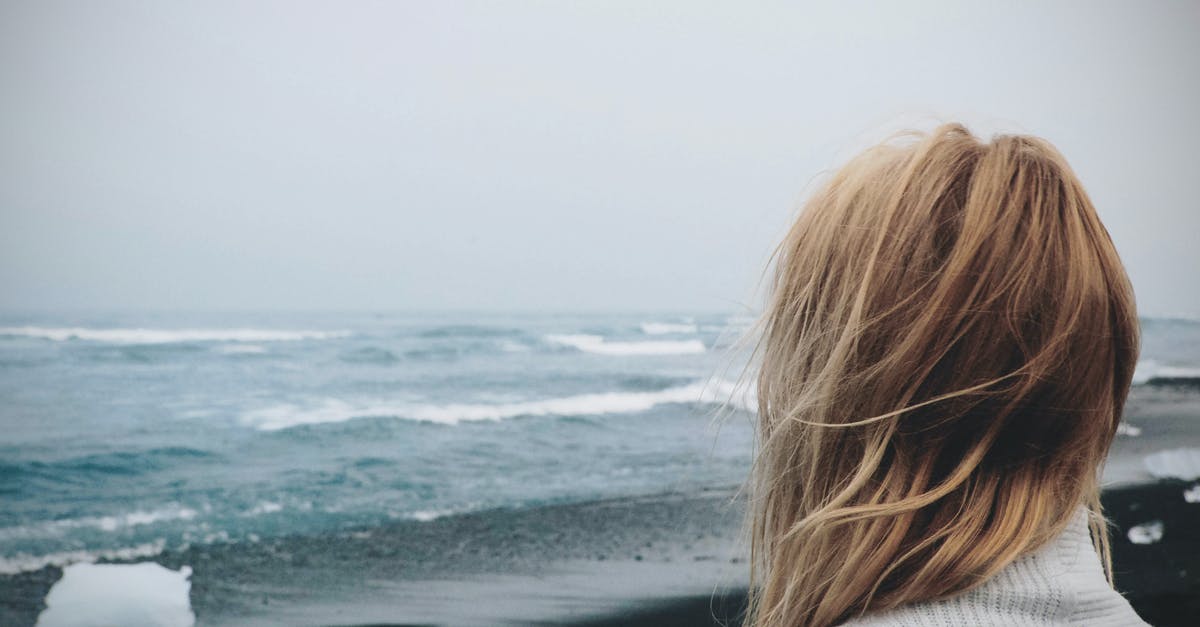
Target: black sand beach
[(667, 559), (558, 563), (664, 560), (1160, 580)]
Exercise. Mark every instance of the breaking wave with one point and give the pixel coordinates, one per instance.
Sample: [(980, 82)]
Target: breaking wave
[(667, 328), (334, 410), (167, 336), (598, 345)]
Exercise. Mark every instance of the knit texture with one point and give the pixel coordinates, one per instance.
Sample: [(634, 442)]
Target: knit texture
[(1061, 583)]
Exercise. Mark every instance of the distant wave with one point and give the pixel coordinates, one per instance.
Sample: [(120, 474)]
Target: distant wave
[(99, 470), (439, 352), (468, 330), (103, 466), (242, 349), (1149, 372), (1180, 318), (24, 562), (598, 345), (167, 336), (666, 328), (333, 410), (369, 355), (450, 349)]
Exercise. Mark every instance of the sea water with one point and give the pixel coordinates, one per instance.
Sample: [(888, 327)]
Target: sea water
[(125, 435)]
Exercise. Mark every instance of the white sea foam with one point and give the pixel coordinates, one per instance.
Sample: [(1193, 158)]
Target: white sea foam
[(427, 515), (265, 507), (666, 328), (334, 410), (109, 524), (1192, 494), (1146, 533), (1124, 428), (24, 562), (740, 322), (120, 594), (597, 344), (1179, 463), (1148, 369), (167, 336), (1172, 372)]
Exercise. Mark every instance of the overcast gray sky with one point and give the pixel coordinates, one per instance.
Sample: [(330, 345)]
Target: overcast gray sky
[(522, 155)]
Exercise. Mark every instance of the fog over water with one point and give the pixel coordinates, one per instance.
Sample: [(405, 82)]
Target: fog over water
[(537, 155)]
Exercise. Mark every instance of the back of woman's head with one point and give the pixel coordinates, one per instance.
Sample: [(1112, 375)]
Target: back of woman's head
[(947, 347)]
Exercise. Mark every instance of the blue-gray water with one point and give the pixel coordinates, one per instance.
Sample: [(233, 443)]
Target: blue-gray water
[(129, 433), (126, 434)]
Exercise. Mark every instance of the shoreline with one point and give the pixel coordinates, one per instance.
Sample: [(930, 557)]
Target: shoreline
[(601, 553), (634, 560), (667, 559)]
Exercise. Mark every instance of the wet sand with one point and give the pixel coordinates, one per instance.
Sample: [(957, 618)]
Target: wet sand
[(1160, 580), (663, 560)]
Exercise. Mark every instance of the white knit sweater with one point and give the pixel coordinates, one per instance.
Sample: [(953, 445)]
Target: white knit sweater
[(1060, 584)]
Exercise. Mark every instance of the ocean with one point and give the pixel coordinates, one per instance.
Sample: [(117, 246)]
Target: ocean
[(128, 435), (125, 435)]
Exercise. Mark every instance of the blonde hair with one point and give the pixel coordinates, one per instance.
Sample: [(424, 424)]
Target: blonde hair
[(942, 363)]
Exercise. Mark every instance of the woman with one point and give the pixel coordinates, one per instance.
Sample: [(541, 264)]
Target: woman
[(943, 361)]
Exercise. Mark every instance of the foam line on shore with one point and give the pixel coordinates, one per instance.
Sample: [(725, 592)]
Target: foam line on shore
[(23, 562), (110, 524)]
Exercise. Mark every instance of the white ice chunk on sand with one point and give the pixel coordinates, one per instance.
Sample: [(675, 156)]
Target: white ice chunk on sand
[(1146, 533), (1179, 463), (120, 594), (1192, 494)]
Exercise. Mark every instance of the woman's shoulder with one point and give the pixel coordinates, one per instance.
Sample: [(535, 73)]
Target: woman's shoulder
[(1061, 583)]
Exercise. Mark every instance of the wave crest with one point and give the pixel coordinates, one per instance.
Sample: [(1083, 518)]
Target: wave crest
[(598, 345), (167, 336), (333, 410), (1151, 372), (668, 328)]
